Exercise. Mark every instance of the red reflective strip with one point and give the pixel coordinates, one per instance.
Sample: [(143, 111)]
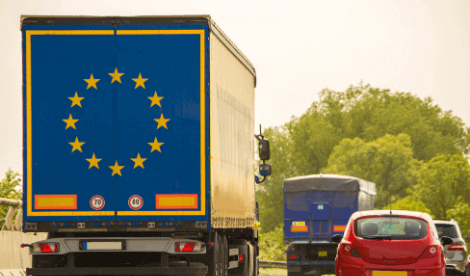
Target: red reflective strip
[(299, 228), (339, 228)]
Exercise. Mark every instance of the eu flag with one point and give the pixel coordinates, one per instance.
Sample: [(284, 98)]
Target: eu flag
[(116, 121)]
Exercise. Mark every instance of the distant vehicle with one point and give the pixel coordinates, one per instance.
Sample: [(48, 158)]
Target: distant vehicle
[(397, 243), (468, 266), (316, 207), (456, 252)]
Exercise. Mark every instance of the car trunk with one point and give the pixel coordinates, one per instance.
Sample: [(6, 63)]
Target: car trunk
[(395, 252)]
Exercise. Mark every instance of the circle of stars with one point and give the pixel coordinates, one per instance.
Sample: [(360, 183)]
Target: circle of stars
[(93, 160)]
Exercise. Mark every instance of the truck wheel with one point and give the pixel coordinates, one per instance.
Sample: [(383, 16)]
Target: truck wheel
[(225, 253), (220, 242), (214, 257)]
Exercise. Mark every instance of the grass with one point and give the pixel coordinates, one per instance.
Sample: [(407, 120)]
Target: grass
[(277, 272)]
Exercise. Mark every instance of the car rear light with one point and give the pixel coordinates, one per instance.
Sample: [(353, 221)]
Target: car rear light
[(188, 246), (45, 247), (240, 258), (431, 251), (456, 247), (349, 249), (292, 257)]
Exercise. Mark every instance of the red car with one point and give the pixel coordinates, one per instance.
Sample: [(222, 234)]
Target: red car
[(390, 243)]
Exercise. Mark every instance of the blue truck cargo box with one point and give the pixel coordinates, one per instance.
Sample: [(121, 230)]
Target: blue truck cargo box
[(319, 206), (124, 120)]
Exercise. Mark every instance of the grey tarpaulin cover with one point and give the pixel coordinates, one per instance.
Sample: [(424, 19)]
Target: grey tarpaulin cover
[(328, 182)]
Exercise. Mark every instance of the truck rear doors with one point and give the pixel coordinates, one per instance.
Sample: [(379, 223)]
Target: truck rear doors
[(115, 122)]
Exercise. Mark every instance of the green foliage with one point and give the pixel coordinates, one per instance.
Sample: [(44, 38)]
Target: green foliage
[(370, 133), (461, 213), (387, 161), (442, 183), (271, 245), (270, 193), (7, 190), (408, 203)]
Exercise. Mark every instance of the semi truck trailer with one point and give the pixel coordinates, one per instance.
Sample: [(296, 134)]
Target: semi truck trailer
[(138, 147), (316, 207)]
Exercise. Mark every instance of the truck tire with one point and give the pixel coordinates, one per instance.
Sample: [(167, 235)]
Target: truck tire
[(214, 257), (225, 254), (221, 258)]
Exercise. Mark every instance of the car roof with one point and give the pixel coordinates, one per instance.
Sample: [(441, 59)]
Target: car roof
[(447, 222), (360, 214)]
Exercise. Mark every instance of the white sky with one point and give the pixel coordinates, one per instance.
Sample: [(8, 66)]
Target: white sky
[(297, 47)]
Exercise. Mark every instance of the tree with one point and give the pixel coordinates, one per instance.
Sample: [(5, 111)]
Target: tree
[(387, 161), (408, 203), (270, 194), (443, 182), (461, 213), (7, 190), (305, 144)]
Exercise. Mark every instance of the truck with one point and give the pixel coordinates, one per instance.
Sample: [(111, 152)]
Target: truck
[(316, 207), (138, 147)]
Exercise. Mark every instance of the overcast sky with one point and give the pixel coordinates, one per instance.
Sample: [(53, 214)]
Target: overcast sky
[(297, 47)]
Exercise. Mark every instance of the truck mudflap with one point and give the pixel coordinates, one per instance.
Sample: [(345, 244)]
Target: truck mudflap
[(195, 269)]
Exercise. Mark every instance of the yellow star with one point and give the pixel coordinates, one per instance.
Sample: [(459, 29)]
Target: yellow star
[(93, 161), (155, 145), (70, 122), (162, 122), (155, 100), (76, 100), (116, 169), (116, 76), (77, 145), (138, 161), (139, 81), (91, 82)]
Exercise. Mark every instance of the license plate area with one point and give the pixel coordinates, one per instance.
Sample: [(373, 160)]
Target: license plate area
[(389, 273), (100, 245)]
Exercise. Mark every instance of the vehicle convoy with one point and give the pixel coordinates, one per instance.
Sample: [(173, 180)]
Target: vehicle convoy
[(315, 208), (138, 147), (389, 242), (456, 252)]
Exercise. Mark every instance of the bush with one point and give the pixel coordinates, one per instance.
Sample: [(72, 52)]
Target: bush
[(271, 245)]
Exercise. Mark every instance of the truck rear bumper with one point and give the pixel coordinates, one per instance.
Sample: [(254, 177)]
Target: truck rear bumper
[(119, 271)]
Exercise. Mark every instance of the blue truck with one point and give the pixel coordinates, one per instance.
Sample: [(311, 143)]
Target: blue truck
[(138, 147), (317, 207)]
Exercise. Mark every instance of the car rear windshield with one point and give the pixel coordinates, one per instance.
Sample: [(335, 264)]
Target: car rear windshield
[(390, 228), (447, 230)]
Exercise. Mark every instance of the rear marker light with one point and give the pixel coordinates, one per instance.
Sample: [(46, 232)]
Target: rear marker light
[(188, 246), (350, 250), (431, 251), (46, 248), (456, 247), (240, 258), (293, 257)]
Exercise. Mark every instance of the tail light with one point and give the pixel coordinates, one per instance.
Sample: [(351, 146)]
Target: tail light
[(45, 247), (431, 251), (240, 258), (348, 249), (292, 257), (188, 246), (456, 247)]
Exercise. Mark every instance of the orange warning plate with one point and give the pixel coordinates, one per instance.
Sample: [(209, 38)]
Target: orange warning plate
[(177, 201), (68, 202), (299, 228), (339, 228)]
